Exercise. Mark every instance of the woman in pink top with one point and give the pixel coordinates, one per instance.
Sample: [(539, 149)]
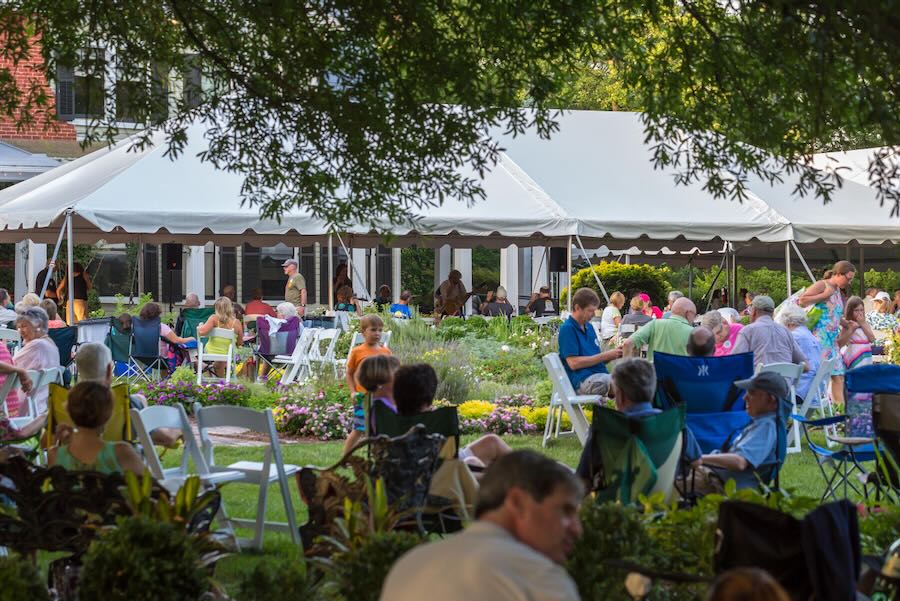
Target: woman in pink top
[(726, 333)]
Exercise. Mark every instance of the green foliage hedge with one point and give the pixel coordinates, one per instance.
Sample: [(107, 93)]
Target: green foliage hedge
[(19, 580), (627, 279)]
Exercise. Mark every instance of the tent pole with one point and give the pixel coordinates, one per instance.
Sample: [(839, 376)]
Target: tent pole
[(70, 260), (330, 273), (809, 272), (569, 275), (691, 277), (787, 267), (593, 272), (708, 294), (352, 263), (140, 266), (47, 277)]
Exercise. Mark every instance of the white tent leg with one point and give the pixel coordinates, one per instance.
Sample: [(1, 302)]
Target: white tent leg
[(809, 272), (569, 275), (330, 273), (70, 259), (787, 266)]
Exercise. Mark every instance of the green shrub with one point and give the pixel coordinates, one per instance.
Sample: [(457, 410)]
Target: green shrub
[(511, 365), (358, 573), (21, 580), (543, 391), (143, 560), (278, 580), (879, 529), (628, 279)]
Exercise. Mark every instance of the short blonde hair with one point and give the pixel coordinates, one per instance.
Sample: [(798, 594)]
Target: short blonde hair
[(31, 300), (637, 304), (617, 299), (376, 371), (224, 309), (370, 321)]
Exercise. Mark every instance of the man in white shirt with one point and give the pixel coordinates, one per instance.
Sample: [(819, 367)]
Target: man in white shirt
[(527, 524)]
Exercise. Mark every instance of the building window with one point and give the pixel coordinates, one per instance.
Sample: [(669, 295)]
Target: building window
[(80, 90), (228, 270), (136, 102), (307, 265), (192, 89), (261, 268), (112, 275)]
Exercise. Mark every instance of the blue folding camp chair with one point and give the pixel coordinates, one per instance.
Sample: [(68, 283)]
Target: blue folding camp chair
[(145, 347), (705, 386), (883, 382), (65, 340)]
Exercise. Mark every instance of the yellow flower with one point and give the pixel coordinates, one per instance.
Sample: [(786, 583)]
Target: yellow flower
[(475, 409)]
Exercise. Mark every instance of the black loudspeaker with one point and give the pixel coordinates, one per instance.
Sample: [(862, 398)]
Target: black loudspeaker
[(558, 260), (172, 257)]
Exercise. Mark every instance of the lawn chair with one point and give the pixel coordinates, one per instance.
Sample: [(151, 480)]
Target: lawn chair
[(117, 429), (296, 365), (11, 338), (65, 340), (228, 357), (282, 342), (271, 469), (883, 381), (405, 464), (355, 341), (161, 416), (94, 330), (120, 345), (316, 356), (791, 372), (705, 385), (41, 378), (191, 318), (636, 455), (565, 399), (817, 397), (145, 347)]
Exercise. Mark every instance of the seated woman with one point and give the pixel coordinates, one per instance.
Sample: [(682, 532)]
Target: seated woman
[(222, 318), (53, 320), (90, 406), (38, 350), (346, 301), (639, 315), (166, 334), (414, 389)]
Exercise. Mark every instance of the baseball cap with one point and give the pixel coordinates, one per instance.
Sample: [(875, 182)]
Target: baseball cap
[(290, 262), (883, 296), (767, 381), (764, 303)]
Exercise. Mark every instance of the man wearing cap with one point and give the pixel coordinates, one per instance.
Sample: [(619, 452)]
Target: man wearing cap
[(497, 306), (770, 342), (295, 288), (756, 443)]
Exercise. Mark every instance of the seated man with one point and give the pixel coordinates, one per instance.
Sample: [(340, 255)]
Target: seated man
[(401, 309), (579, 348), (497, 306), (701, 343), (527, 523), (633, 387), (755, 445), (414, 389), (540, 304), (669, 335)]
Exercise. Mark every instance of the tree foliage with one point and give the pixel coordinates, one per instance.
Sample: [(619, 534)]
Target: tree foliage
[(354, 111), (745, 88)]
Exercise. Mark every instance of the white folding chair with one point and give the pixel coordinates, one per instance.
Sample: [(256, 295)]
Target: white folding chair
[(11, 338), (227, 357), (316, 355), (565, 398), (40, 379), (297, 363), (146, 420), (271, 469), (817, 396), (791, 372)]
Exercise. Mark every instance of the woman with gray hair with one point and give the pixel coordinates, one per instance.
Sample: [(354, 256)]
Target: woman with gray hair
[(725, 332), (38, 350), (794, 319), (285, 310)]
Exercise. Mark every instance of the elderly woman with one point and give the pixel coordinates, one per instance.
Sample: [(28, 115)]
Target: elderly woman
[(38, 350), (285, 310), (726, 333), (881, 318), (794, 319)]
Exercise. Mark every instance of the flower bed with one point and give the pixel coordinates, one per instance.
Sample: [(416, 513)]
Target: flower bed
[(170, 392)]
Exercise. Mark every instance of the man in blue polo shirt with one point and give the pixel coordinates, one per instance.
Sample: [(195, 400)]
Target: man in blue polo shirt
[(579, 348)]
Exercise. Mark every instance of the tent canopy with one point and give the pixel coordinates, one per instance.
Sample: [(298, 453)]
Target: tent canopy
[(593, 179)]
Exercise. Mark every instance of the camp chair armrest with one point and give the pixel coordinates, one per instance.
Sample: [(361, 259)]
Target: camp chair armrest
[(585, 399), (818, 423)]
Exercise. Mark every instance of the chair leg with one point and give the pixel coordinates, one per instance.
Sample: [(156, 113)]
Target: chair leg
[(548, 426), (289, 510), (261, 514)]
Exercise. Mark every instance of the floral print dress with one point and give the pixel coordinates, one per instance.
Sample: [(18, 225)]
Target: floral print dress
[(829, 327)]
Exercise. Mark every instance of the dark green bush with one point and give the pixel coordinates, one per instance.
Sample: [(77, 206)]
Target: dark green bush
[(627, 279), (280, 580), (19, 580), (143, 560), (359, 573)]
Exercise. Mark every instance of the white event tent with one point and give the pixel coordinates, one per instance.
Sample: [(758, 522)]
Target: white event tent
[(592, 182)]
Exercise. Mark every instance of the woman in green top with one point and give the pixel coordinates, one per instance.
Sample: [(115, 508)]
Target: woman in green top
[(90, 406)]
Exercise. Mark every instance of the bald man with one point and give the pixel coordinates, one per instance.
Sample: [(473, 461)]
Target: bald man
[(702, 343), (669, 335)]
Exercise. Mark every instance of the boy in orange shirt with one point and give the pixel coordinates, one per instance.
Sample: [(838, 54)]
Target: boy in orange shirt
[(371, 327)]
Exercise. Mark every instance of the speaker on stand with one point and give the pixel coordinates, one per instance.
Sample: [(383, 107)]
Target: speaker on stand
[(172, 260)]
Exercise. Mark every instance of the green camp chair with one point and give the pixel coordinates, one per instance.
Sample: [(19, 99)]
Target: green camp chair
[(191, 318), (441, 420), (638, 455)]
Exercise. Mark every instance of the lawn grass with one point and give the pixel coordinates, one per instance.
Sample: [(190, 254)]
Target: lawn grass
[(800, 476)]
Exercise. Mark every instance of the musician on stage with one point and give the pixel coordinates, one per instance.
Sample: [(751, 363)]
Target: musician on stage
[(451, 296)]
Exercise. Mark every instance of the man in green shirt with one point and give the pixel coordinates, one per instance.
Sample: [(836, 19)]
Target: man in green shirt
[(669, 335), (295, 288)]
